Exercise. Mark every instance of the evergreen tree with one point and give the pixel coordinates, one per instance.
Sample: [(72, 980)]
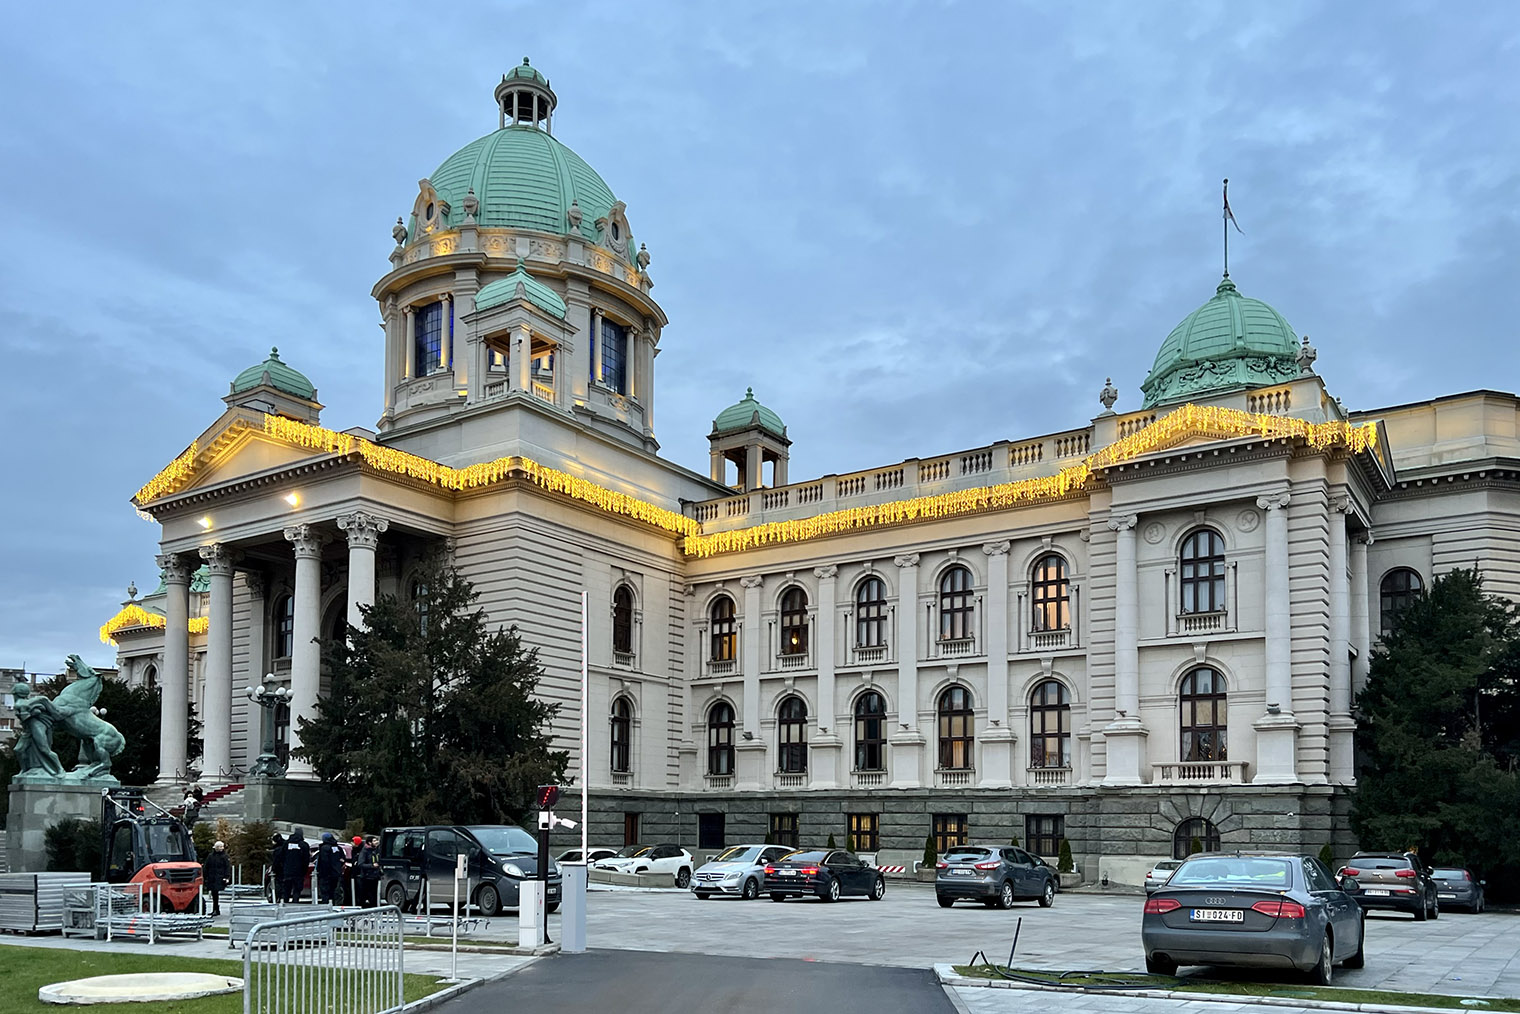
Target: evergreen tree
[(1438, 736), (431, 716)]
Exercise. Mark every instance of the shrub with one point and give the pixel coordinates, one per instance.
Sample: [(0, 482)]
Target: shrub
[(770, 837), (1064, 863), (203, 835), (931, 854), (1195, 846), (248, 850), (73, 845), (831, 844), (1014, 841), (1327, 856)]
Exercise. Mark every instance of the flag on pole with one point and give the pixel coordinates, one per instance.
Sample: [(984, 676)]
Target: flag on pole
[(1229, 216)]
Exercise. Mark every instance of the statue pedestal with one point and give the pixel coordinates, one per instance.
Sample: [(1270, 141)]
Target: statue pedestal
[(37, 806)]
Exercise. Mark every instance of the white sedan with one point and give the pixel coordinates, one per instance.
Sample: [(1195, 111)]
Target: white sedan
[(593, 853), (671, 859)]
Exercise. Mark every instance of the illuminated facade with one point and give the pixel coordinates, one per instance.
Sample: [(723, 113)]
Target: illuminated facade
[(1143, 629)]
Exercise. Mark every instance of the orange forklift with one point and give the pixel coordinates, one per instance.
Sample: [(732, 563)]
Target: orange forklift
[(149, 848)]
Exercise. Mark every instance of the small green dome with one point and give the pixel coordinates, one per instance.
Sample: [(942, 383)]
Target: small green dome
[(277, 375), (523, 179), (526, 71), (1229, 343), (748, 413), (505, 289)]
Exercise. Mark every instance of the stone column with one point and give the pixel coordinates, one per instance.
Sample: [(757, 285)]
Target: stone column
[(446, 335), (364, 530), (754, 467), (1277, 730), (257, 583), (392, 339), (521, 365), (411, 343), (907, 741), (1125, 735), (305, 652), (174, 677), (752, 652), (216, 709), (595, 345), (826, 744), (998, 739), (1342, 726), (1361, 613)]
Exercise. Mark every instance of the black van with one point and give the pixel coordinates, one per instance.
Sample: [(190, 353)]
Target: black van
[(501, 856)]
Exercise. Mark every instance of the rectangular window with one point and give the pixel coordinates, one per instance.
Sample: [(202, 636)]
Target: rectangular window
[(784, 829), (865, 832), (428, 347), (949, 831), (614, 356), (1043, 833), (710, 831), (630, 829)]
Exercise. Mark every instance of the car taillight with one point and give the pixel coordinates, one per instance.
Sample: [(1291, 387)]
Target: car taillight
[(1349, 872), (770, 869), (988, 866), (1406, 874), (811, 871), (1466, 876), (941, 866), (1160, 906), (1279, 909)]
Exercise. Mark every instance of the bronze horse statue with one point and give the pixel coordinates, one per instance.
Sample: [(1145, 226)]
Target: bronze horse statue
[(99, 740)]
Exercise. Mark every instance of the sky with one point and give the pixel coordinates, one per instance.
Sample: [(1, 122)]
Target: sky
[(914, 228)]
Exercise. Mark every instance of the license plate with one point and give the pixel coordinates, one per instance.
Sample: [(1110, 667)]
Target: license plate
[(961, 873), (1446, 896), (786, 873), (1377, 893), (1218, 915)]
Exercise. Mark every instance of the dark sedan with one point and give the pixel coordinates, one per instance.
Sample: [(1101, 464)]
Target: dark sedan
[(994, 875), (826, 875), (1458, 888), (1253, 910)]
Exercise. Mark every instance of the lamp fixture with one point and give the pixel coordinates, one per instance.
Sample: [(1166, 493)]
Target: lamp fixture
[(294, 499), (205, 523)]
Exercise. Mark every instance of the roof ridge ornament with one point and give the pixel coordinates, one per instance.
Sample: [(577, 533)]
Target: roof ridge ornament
[(1108, 396), (1307, 354)]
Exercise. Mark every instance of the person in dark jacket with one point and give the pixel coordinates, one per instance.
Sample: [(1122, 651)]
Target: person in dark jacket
[(295, 859), (330, 861), (367, 872), (217, 874)]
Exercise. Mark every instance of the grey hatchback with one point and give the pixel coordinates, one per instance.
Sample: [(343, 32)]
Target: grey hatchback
[(994, 875), (1257, 910)]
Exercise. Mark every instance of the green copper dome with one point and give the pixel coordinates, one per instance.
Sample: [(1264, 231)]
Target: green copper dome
[(523, 179), (526, 71), (505, 289), (747, 413), (277, 375), (1228, 344)]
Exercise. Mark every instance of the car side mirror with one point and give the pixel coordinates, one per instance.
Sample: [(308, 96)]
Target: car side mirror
[(1482, 883)]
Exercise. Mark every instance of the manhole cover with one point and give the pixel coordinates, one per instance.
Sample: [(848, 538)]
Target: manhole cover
[(138, 988)]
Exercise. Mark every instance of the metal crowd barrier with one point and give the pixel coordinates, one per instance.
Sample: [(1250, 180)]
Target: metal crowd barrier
[(338, 963)]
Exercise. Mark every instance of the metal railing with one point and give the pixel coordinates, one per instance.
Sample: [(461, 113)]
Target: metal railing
[(341, 963)]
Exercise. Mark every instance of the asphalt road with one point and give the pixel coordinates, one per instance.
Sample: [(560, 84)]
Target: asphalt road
[(631, 982)]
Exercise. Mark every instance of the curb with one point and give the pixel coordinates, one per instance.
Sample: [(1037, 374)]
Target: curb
[(948, 977)]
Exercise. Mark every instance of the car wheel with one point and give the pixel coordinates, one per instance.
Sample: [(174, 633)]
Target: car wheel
[(778, 897), (879, 889), (702, 895), (1435, 909), (1005, 896), (1421, 912), (944, 902), (1160, 966), (395, 894), (488, 900), (751, 890), (1323, 972), (1048, 898), (830, 893), (1359, 959), (683, 878)]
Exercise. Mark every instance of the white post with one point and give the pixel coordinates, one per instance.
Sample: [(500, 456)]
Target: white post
[(175, 677), (305, 652), (216, 711), (585, 727), (363, 530)]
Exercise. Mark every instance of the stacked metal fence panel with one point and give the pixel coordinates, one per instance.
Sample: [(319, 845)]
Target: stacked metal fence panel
[(33, 902), (340, 962)]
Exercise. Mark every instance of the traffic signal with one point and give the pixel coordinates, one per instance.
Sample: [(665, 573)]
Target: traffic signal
[(548, 795)]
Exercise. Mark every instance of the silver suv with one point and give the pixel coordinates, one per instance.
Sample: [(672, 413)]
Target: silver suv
[(739, 869)]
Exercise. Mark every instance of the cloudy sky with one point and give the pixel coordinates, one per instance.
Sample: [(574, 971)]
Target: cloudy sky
[(913, 227)]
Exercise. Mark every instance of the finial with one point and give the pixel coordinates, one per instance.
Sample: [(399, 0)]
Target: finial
[(398, 231), (525, 61), (131, 591), (471, 205), (1108, 395), (522, 265), (749, 394), (1306, 356), (274, 353), (574, 214), (643, 257)]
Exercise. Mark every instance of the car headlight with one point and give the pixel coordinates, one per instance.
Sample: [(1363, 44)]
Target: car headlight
[(730, 876), (512, 870)]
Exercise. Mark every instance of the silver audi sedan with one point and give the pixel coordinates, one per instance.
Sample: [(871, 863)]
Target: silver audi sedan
[(1251, 909)]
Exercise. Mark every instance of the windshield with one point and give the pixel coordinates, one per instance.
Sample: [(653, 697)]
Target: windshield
[(965, 855), (1379, 863), (737, 854), (802, 857), (1232, 871), (166, 842), (633, 851), (505, 840), (1450, 874)]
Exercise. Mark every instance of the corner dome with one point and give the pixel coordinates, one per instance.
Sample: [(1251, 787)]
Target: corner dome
[(1229, 343), (275, 373), (747, 414), (534, 291)]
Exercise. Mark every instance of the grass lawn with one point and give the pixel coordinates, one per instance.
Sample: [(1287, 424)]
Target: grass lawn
[(1336, 994), (24, 970)]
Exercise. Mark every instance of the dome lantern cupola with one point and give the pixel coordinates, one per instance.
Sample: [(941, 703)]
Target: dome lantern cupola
[(749, 435), (276, 388), (525, 98)]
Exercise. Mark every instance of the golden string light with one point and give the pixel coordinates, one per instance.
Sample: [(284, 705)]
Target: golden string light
[(169, 478), (134, 617)]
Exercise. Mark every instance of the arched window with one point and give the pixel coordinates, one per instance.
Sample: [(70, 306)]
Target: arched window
[(1203, 717), (284, 626), (794, 624), (1201, 572), (622, 620), (870, 732), (955, 605), (956, 732), (614, 357), (420, 603), (428, 328), (871, 613), (150, 677), (621, 736), (1052, 594), (724, 630), (1399, 589), (720, 739), (1050, 726), (791, 731), (1194, 835)]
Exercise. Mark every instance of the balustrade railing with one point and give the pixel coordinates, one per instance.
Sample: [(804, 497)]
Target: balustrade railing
[(625, 659), (868, 779), (956, 647), (1200, 623), (1048, 776), (1045, 640), (1187, 772), (791, 661), (720, 781), (791, 779), (871, 653), (948, 779), (722, 667)]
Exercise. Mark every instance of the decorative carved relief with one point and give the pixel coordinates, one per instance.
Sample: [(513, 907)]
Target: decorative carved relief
[(1154, 532), (1247, 520)]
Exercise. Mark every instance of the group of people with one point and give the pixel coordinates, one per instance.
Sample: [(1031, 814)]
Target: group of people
[(290, 858)]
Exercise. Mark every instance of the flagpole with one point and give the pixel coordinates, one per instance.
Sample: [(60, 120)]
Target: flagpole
[(585, 729), (1225, 221)]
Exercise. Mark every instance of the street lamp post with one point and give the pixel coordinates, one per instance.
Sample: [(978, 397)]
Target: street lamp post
[(267, 696)]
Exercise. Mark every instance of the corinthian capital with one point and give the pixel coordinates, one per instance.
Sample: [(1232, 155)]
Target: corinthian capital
[(826, 573), (1273, 501), (997, 548), (906, 560), (175, 567), (1123, 522), (363, 529), (307, 540), (220, 558)]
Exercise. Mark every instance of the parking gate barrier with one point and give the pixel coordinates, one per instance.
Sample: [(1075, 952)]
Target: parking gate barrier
[(337, 963)]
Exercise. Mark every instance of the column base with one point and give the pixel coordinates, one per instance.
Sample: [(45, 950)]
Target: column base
[(1276, 750), (1125, 740), (907, 759), (996, 766)]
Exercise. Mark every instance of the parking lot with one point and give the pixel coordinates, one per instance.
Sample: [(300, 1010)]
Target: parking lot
[(1459, 953)]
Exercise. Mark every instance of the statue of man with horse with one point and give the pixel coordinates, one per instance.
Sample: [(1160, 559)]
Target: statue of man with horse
[(74, 710)]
